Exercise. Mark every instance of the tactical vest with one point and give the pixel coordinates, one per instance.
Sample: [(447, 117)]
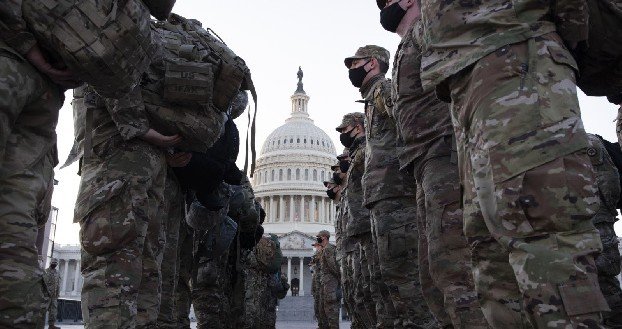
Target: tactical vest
[(106, 43), (600, 63)]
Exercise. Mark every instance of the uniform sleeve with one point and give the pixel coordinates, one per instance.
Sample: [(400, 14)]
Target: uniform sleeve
[(13, 28), (331, 263), (571, 18), (129, 114)]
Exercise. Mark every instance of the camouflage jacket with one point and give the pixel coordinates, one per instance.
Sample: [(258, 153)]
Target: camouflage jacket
[(51, 278), (382, 178), (607, 179), (457, 34), (315, 275), (329, 268), (422, 120), (358, 221), (13, 29)]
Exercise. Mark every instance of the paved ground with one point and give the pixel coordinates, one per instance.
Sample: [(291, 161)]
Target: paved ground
[(279, 325)]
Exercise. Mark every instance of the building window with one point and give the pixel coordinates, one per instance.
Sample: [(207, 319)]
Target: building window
[(298, 140), (280, 174), (291, 140), (289, 174), (322, 174), (306, 174), (259, 180), (297, 174), (305, 141), (285, 141), (272, 176), (311, 142), (314, 175)]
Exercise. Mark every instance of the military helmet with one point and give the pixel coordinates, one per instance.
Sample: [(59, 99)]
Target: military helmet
[(160, 9), (238, 104), (106, 43), (381, 4), (323, 233)]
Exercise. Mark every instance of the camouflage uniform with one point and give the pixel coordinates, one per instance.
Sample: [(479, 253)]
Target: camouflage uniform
[(358, 231), (329, 284), (608, 262), (28, 114), (529, 189), (390, 196), (211, 290), (174, 215), (119, 208), (257, 294), (52, 283), (424, 125), (316, 285)]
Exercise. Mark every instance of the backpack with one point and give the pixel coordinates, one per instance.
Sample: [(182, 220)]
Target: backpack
[(106, 43), (269, 254), (615, 153), (600, 62)]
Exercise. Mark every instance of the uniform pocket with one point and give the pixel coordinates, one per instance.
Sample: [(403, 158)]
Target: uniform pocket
[(582, 297), (107, 218)]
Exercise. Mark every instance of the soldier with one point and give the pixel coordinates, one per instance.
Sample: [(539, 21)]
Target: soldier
[(316, 285), (358, 226), (329, 280), (183, 298), (52, 283), (617, 100), (389, 194), (608, 262), (31, 94), (528, 187), (424, 126)]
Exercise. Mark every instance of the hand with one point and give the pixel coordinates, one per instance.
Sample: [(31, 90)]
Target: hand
[(155, 138), (64, 77), (179, 159)]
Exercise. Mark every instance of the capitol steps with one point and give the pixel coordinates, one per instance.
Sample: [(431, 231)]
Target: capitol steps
[(298, 308)]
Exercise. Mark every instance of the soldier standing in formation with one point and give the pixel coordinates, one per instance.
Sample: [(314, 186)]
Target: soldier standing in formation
[(314, 267), (330, 278), (52, 284), (529, 190), (31, 94), (389, 194), (424, 125), (357, 226)]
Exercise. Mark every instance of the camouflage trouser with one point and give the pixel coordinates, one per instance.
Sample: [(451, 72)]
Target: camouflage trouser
[(360, 318), (22, 289), (119, 207), (449, 257), (255, 297), (28, 103), (52, 310), (396, 237), (330, 305), (183, 298), (608, 265), (174, 214), (268, 321), (432, 295), (529, 189), (362, 279), (211, 292)]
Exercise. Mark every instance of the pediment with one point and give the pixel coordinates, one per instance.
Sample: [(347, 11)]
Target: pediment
[(296, 240)]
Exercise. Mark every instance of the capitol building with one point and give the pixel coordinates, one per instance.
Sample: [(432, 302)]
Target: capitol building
[(288, 181)]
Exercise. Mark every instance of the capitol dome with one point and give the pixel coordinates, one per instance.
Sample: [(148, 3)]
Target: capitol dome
[(294, 162)]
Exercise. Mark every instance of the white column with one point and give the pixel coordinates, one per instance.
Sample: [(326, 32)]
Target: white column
[(302, 208), (282, 209), (301, 292), (272, 209), (289, 274), (76, 278), (291, 208), (323, 210), (63, 287), (312, 209)]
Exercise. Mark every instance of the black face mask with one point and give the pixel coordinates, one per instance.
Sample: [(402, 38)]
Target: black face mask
[(357, 75), (337, 179), (346, 139), (331, 194), (318, 239), (344, 165), (391, 16)]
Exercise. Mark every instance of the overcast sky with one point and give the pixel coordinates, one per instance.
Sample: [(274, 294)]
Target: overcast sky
[(275, 37)]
